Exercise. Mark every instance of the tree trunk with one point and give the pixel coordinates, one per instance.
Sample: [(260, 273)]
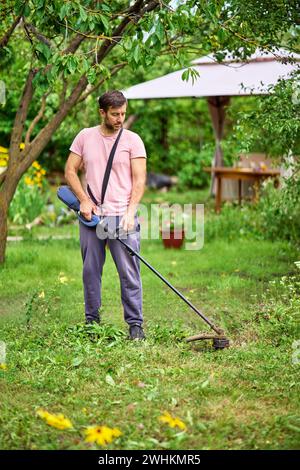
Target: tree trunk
[(7, 191), (3, 229)]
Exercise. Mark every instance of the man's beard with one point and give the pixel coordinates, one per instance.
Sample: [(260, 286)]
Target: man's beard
[(109, 126)]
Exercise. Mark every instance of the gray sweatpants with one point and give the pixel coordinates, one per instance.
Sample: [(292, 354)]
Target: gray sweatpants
[(93, 256)]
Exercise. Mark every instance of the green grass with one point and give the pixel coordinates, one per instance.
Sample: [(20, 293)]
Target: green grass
[(245, 397)]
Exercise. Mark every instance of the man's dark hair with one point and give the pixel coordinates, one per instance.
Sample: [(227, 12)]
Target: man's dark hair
[(113, 98)]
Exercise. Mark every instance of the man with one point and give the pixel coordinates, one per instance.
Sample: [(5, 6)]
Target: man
[(125, 189)]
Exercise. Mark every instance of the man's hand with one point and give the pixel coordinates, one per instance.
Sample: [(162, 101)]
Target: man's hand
[(87, 207), (127, 222)]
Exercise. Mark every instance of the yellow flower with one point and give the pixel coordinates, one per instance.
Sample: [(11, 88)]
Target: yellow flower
[(42, 295), (36, 165), (62, 278), (3, 366), (58, 421), (102, 435), (28, 181), (172, 422), (3, 149), (22, 146), (43, 171)]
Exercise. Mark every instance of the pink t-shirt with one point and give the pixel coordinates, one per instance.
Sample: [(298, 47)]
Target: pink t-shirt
[(94, 148)]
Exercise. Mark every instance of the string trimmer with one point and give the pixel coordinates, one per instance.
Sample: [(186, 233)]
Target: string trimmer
[(220, 341)]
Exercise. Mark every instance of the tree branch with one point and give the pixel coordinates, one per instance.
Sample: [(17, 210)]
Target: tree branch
[(137, 8), (90, 89), (37, 118), (130, 120), (4, 40), (21, 115), (43, 137), (74, 44), (63, 92), (37, 34), (150, 7), (71, 49)]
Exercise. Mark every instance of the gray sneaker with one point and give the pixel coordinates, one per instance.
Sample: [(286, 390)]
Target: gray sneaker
[(136, 332), (95, 321)]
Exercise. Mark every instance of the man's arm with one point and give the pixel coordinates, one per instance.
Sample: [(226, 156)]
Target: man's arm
[(72, 166), (138, 171)]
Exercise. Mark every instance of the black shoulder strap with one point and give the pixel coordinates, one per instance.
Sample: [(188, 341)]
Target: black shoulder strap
[(107, 171), (108, 166)]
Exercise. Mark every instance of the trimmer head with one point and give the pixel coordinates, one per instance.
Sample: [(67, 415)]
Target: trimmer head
[(219, 342)]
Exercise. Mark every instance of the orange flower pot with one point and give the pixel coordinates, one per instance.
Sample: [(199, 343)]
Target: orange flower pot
[(173, 239)]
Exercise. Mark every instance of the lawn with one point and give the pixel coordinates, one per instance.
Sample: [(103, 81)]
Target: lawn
[(244, 397)]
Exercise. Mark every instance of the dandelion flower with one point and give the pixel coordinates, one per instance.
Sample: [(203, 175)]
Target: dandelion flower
[(58, 421), (62, 278), (3, 366), (172, 422), (102, 435)]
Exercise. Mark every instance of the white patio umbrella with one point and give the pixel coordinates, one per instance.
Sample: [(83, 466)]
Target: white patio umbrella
[(218, 82)]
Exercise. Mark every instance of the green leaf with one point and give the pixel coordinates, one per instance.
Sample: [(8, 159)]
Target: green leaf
[(104, 71), (222, 35), (85, 65), (77, 361), (19, 6), (39, 4), (185, 75), (160, 32), (44, 50), (62, 12), (127, 43), (72, 64), (106, 8), (136, 53), (190, 73), (91, 75), (82, 13), (27, 10), (105, 23)]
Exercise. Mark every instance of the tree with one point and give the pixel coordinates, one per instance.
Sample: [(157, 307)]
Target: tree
[(72, 47), (69, 44)]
